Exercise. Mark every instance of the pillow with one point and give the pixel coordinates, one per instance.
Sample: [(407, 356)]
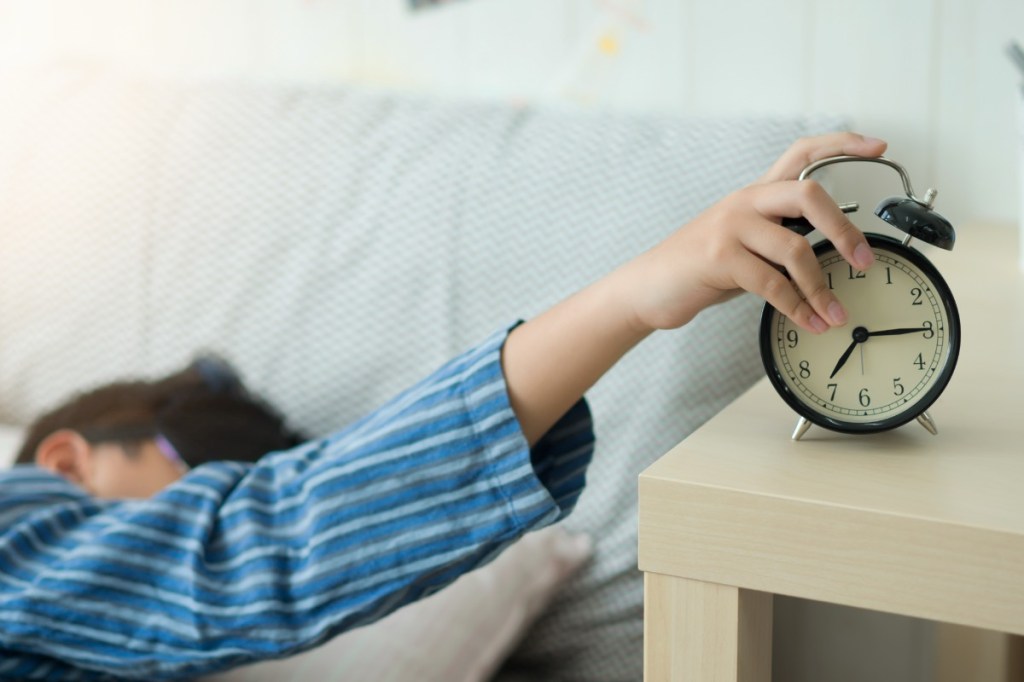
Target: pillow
[(10, 439), (461, 634)]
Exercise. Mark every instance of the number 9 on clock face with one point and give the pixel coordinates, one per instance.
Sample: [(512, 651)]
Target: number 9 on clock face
[(890, 361)]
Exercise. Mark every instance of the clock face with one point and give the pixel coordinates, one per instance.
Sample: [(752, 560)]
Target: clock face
[(889, 362)]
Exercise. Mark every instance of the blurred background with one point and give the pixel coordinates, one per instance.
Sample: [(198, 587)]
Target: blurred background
[(930, 76)]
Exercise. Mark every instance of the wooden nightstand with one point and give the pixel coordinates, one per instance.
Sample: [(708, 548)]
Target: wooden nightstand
[(903, 522)]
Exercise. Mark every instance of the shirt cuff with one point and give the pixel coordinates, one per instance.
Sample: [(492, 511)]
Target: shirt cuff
[(541, 485)]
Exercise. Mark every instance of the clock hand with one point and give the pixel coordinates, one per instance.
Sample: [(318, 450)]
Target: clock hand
[(844, 358), (901, 330), (860, 335)]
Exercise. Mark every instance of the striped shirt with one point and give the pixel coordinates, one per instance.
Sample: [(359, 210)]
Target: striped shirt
[(236, 563)]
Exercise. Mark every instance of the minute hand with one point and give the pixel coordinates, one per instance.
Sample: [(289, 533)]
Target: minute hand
[(897, 332)]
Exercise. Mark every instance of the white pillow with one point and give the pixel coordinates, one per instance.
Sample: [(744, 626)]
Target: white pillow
[(10, 439), (461, 634)]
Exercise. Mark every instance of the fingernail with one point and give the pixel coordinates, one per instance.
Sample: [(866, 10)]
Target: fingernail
[(863, 256), (873, 140), (837, 313), (818, 324)]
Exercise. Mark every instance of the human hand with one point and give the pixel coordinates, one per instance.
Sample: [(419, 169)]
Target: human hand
[(739, 244)]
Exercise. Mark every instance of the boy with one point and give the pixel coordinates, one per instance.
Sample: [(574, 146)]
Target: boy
[(226, 563)]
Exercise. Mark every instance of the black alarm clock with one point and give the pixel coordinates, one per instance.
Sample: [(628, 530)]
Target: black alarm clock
[(898, 350)]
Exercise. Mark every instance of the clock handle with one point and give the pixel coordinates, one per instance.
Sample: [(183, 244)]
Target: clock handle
[(929, 196), (914, 216), (802, 226)]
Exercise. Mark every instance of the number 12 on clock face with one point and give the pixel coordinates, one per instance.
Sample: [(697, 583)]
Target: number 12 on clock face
[(892, 359)]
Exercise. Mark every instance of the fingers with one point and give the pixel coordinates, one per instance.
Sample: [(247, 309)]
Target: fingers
[(811, 304), (810, 149), (807, 198), (761, 278), (804, 296)]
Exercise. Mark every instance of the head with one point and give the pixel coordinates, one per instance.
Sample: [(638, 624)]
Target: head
[(131, 439), (109, 469)]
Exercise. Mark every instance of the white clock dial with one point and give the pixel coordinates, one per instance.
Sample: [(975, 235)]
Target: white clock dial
[(892, 358)]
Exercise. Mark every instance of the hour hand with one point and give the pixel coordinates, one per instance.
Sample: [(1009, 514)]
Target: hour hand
[(846, 356), (860, 335)]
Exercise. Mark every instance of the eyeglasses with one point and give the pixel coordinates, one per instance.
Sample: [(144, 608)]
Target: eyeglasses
[(138, 433), (170, 452)]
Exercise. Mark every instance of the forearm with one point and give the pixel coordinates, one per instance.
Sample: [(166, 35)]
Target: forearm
[(550, 361)]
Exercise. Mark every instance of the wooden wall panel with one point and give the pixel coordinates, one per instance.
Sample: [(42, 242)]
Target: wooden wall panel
[(748, 57), (977, 102), (928, 75), (871, 61), (630, 56), (510, 45), (421, 50)]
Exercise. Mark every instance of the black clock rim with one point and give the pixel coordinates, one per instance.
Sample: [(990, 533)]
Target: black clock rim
[(953, 335)]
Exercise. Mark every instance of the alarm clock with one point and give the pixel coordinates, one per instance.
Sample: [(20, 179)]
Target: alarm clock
[(898, 350)]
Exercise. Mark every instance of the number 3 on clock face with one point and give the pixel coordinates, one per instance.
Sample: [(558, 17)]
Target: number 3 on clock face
[(892, 359)]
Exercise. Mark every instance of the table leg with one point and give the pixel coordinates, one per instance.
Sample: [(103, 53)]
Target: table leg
[(703, 632)]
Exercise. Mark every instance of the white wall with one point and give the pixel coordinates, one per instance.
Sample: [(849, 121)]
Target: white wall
[(928, 75)]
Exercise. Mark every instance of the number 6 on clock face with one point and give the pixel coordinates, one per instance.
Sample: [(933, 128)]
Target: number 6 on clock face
[(892, 359)]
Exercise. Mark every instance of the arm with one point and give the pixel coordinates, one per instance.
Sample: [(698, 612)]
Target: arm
[(737, 244), (236, 563)]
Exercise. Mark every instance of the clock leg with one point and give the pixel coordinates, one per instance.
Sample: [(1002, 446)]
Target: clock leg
[(801, 428), (927, 422)]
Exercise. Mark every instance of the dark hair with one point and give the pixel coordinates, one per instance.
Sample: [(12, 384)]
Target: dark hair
[(204, 411)]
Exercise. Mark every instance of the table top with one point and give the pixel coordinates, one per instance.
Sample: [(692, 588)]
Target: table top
[(884, 521)]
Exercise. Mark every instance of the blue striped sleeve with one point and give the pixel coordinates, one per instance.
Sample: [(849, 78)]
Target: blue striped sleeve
[(236, 563)]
